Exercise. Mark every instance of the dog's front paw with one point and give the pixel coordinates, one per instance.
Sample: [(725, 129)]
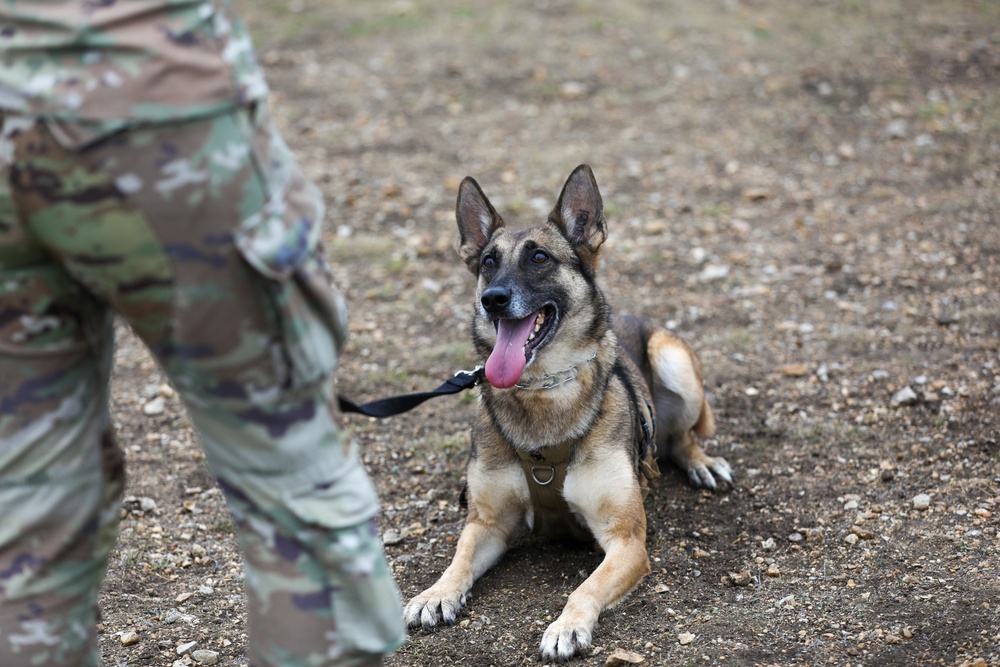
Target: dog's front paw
[(564, 639), (433, 606), (703, 471)]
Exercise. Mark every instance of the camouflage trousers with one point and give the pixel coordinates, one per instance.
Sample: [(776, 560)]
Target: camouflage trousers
[(204, 236)]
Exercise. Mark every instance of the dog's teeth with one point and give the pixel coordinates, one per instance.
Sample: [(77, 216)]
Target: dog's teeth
[(538, 327)]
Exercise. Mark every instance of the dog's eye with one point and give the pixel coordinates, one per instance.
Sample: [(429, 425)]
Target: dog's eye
[(539, 257), (489, 262)]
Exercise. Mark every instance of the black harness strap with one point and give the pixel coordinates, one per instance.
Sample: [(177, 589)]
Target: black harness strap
[(396, 405)]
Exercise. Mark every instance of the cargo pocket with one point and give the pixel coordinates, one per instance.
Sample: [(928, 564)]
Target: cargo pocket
[(281, 242), (343, 537)]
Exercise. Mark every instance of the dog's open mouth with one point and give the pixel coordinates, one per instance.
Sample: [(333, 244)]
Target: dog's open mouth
[(518, 340)]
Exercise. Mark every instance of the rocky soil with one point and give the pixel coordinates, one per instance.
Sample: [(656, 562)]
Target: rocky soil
[(806, 192)]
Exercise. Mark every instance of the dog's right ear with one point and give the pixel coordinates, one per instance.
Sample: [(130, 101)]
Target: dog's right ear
[(477, 220)]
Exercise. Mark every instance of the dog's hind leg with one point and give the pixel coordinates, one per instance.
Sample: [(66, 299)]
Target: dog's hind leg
[(682, 411), (495, 514)]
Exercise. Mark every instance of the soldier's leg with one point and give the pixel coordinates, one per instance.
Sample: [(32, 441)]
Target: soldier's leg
[(204, 237), (60, 472)]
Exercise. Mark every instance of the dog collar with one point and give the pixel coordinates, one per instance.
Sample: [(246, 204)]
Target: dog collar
[(557, 379)]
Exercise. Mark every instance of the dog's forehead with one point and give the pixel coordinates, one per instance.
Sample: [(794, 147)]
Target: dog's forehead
[(508, 241)]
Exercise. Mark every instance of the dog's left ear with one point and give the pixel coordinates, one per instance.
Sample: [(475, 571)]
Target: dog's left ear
[(579, 214)]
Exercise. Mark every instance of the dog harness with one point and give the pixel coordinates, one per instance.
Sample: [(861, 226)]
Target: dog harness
[(545, 472)]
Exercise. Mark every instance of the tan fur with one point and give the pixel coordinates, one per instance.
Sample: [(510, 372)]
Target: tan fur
[(597, 411)]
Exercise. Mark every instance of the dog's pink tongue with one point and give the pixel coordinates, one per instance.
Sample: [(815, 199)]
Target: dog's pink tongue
[(507, 361)]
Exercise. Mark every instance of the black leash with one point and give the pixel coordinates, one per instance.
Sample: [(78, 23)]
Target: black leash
[(396, 405)]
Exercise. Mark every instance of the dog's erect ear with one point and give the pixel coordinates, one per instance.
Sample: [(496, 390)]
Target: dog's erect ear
[(579, 214), (477, 220)]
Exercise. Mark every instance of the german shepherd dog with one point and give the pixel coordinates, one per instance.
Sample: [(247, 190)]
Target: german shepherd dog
[(563, 443)]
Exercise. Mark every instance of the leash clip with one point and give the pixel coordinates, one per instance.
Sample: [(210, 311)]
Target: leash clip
[(476, 373)]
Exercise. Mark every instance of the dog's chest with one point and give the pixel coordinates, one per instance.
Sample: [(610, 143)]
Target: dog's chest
[(545, 474)]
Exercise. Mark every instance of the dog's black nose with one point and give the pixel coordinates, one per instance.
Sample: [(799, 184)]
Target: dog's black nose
[(495, 299)]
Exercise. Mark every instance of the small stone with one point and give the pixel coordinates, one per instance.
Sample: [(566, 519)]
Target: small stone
[(129, 637), (904, 396), (661, 588), (768, 544), (713, 272), (205, 657), (795, 537), (907, 633), (897, 129), (851, 505), (921, 501), (739, 578), (573, 90), (147, 504), (773, 571), (685, 638), (794, 370), (391, 538), (700, 553), (186, 647), (887, 474), (862, 533), (622, 657), (183, 597), (157, 406), (756, 194), (851, 539)]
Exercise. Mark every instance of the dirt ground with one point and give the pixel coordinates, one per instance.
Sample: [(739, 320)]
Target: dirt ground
[(806, 192)]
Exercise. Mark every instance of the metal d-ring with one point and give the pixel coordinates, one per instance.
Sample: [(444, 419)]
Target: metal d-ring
[(552, 474)]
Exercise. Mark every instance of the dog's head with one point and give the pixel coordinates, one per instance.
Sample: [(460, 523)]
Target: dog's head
[(531, 282)]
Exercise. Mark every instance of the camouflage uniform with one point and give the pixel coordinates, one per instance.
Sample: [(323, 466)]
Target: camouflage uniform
[(141, 176)]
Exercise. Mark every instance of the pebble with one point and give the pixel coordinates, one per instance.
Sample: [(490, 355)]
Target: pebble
[(685, 638), (794, 370), (129, 637), (186, 648), (391, 538), (147, 504), (921, 501), (768, 544), (773, 571), (897, 129), (738, 578), (205, 657), (795, 537), (622, 657), (851, 539), (713, 272), (905, 396), (183, 597), (157, 406)]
